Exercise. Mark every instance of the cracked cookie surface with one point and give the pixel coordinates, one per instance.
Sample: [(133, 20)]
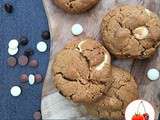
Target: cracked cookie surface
[(82, 70), (76, 6), (123, 91), (131, 32)]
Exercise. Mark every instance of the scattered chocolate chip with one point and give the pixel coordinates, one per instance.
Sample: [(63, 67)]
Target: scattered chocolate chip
[(28, 52), (24, 78), (31, 79), (12, 61), (37, 115), (33, 63), (23, 60), (8, 8), (42, 46), (23, 41), (15, 91), (46, 35), (38, 77), (77, 29)]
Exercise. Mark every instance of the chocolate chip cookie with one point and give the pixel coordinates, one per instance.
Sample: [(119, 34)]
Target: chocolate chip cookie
[(113, 104), (82, 70), (75, 6), (131, 32)]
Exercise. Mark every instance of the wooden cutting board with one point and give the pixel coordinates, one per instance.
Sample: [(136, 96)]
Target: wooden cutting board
[(53, 105)]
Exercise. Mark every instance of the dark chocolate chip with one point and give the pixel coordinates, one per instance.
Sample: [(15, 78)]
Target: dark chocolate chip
[(12, 61), (8, 8), (23, 60), (45, 35), (28, 52), (23, 41), (24, 78), (37, 115), (38, 77), (33, 63)]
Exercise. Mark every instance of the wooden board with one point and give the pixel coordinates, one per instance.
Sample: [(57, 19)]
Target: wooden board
[(55, 106)]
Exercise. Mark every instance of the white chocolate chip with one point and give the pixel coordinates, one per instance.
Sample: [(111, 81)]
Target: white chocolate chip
[(15, 91), (41, 46), (153, 74), (80, 44), (141, 32), (12, 51), (105, 61), (13, 44), (148, 11), (31, 79), (77, 29)]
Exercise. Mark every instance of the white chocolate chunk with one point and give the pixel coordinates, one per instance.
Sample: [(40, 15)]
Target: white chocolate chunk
[(148, 11), (141, 32), (105, 61), (153, 74), (80, 44)]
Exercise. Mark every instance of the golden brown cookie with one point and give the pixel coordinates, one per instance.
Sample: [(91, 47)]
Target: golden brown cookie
[(131, 32), (121, 93), (75, 6), (82, 70)]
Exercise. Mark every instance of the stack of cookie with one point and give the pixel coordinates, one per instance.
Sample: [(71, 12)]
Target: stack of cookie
[(83, 72)]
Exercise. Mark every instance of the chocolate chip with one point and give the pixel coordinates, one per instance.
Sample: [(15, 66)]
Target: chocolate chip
[(46, 35), (28, 52), (8, 8), (31, 79), (33, 63), (12, 61), (37, 115), (23, 60), (23, 41), (38, 77), (24, 78)]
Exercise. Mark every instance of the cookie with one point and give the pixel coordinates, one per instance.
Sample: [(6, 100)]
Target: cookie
[(76, 6), (131, 32), (121, 93), (82, 70)]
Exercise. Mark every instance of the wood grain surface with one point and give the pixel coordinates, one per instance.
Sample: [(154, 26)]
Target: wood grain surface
[(53, 105)]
